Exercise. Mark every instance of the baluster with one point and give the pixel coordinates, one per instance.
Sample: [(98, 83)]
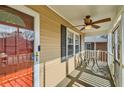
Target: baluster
[(98, 54), (105, 56), (102, 57), (89, 52)]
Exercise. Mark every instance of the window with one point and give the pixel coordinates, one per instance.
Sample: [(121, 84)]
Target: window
[(11, 18), (77, 42), (89, 46), (70, 44), (14, 17)]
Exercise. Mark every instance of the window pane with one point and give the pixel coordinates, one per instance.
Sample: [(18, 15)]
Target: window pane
[(76, 43), (70, 38), (8, 39), (26, 39), (70, 50), (11, 18), (70, 43), (76, 39), (76, 48)]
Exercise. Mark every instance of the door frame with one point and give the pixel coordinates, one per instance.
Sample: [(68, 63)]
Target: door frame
[(36, 68)]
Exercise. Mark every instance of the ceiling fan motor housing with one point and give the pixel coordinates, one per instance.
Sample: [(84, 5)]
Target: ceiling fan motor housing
[(88, 16), (87, 21)]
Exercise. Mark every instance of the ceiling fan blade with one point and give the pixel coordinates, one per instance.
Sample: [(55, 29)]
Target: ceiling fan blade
[(82, 28), (79, 25), (102, 21), (95, 26)]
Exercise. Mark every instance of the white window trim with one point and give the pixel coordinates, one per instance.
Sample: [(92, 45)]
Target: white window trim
[(75, 33), (26, 10)]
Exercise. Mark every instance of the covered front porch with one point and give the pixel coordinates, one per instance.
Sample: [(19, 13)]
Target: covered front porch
[(91, 71)]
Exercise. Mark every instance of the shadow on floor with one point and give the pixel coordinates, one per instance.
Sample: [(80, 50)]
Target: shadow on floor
[(85, 76)]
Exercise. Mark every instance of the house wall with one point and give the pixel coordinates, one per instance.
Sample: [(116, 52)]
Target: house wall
[(101, 46), (97, 45), (50, 40)]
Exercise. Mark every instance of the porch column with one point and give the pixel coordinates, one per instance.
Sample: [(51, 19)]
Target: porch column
[(109, 49), (94, 45), (122, 53), (82, 47)]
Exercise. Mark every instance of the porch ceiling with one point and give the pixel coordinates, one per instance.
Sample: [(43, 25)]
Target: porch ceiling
[(75, 14)]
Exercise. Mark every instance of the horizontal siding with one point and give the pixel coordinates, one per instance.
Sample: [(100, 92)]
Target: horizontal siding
[(101, 46)]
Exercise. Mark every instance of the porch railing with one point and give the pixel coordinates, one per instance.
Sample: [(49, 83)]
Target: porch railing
[(92, 55), (102, 59), (94, 60)]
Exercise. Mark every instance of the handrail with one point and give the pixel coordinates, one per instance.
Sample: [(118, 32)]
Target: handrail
[(96, 55), (110, 53)]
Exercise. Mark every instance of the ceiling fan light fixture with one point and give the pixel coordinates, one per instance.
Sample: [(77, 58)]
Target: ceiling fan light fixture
[(88, 27)]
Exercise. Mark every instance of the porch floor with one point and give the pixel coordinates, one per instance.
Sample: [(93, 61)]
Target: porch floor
[(88, 76)]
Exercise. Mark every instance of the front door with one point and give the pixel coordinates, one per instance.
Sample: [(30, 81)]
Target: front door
[(16, 50)]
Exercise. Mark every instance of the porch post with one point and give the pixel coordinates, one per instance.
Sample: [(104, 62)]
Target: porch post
[(94, 45), (122, 52), (109, 49)]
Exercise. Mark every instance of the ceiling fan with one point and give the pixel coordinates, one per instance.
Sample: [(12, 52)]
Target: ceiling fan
[(88, 23)]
